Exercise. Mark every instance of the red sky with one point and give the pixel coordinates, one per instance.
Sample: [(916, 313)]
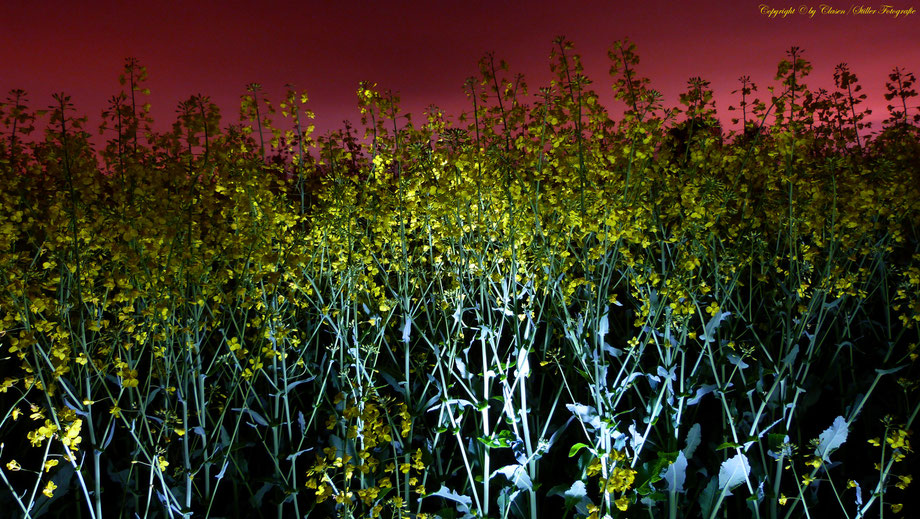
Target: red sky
[(424, 50)]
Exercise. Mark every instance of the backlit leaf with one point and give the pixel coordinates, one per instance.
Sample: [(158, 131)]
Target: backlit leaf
[(734, 471), (832, 438)]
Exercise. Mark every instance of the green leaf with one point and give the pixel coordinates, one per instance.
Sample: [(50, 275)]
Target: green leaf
[(774, 440), (708, 497), (575, 448), (658, 497), (693, 440)]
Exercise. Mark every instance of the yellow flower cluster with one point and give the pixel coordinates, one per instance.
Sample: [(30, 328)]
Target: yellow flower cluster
[(899, 439), (619, 479), (366, 425)]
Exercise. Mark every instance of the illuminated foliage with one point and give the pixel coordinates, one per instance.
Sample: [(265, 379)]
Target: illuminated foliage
[(531, 308)]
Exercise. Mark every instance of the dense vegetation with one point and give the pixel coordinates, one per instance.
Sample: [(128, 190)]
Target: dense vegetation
[(531, 311)]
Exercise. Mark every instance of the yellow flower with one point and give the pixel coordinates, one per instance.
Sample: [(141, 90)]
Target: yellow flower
[(368, 495), (622, 503), (898, 440), (594, 512), (344, 498), (351, 413), (417, 460), (13, 466), (712, 308), (783, 499), (904, 481), (330, 453), (50, 464), (896, 507), (162, 463), (49, 489), (38, 436), (323, 492), (621, 479), (72, 435), (594, 468)]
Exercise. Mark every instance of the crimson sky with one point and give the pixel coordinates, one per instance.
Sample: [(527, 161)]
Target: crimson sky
[(424, 50)]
